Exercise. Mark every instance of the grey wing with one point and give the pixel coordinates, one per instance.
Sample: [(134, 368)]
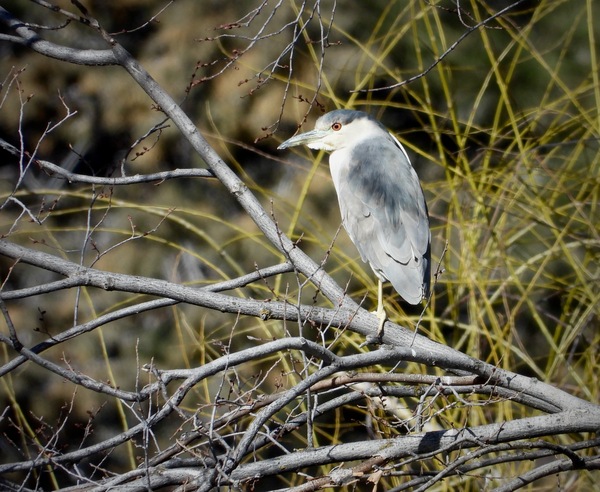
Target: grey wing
[(385, 214)]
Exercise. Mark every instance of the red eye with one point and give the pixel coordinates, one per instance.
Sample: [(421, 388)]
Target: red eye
[(336, 127)]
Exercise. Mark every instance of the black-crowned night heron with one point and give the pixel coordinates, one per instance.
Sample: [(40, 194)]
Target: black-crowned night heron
[(381, 201)]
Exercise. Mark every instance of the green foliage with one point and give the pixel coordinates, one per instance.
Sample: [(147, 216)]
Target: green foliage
[(504, 133)]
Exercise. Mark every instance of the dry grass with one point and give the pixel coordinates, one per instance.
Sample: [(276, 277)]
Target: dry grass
[(504, 134)]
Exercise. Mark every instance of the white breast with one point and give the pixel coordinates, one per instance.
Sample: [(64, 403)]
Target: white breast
[(338, 166)]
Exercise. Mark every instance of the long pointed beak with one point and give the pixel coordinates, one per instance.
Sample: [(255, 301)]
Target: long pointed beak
[(308, 138)]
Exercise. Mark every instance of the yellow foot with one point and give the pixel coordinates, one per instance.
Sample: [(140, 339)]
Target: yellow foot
[(382, 316), (380, 313)]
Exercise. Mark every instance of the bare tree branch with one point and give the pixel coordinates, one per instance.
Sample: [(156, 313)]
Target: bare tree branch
[(27, 37), (248, 399)]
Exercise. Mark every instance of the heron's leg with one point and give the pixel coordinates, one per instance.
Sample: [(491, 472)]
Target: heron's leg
[(381, 314)]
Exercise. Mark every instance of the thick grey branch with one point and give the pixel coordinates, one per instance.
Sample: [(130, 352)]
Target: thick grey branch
[(28, 37), (228, 178), (417, 444), (143, 285), (417, 349), (429, 443)]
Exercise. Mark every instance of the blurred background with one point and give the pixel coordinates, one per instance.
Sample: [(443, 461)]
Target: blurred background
[(503, 133)]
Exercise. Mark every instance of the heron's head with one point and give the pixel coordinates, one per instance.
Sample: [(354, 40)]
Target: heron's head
[(336, 130)]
